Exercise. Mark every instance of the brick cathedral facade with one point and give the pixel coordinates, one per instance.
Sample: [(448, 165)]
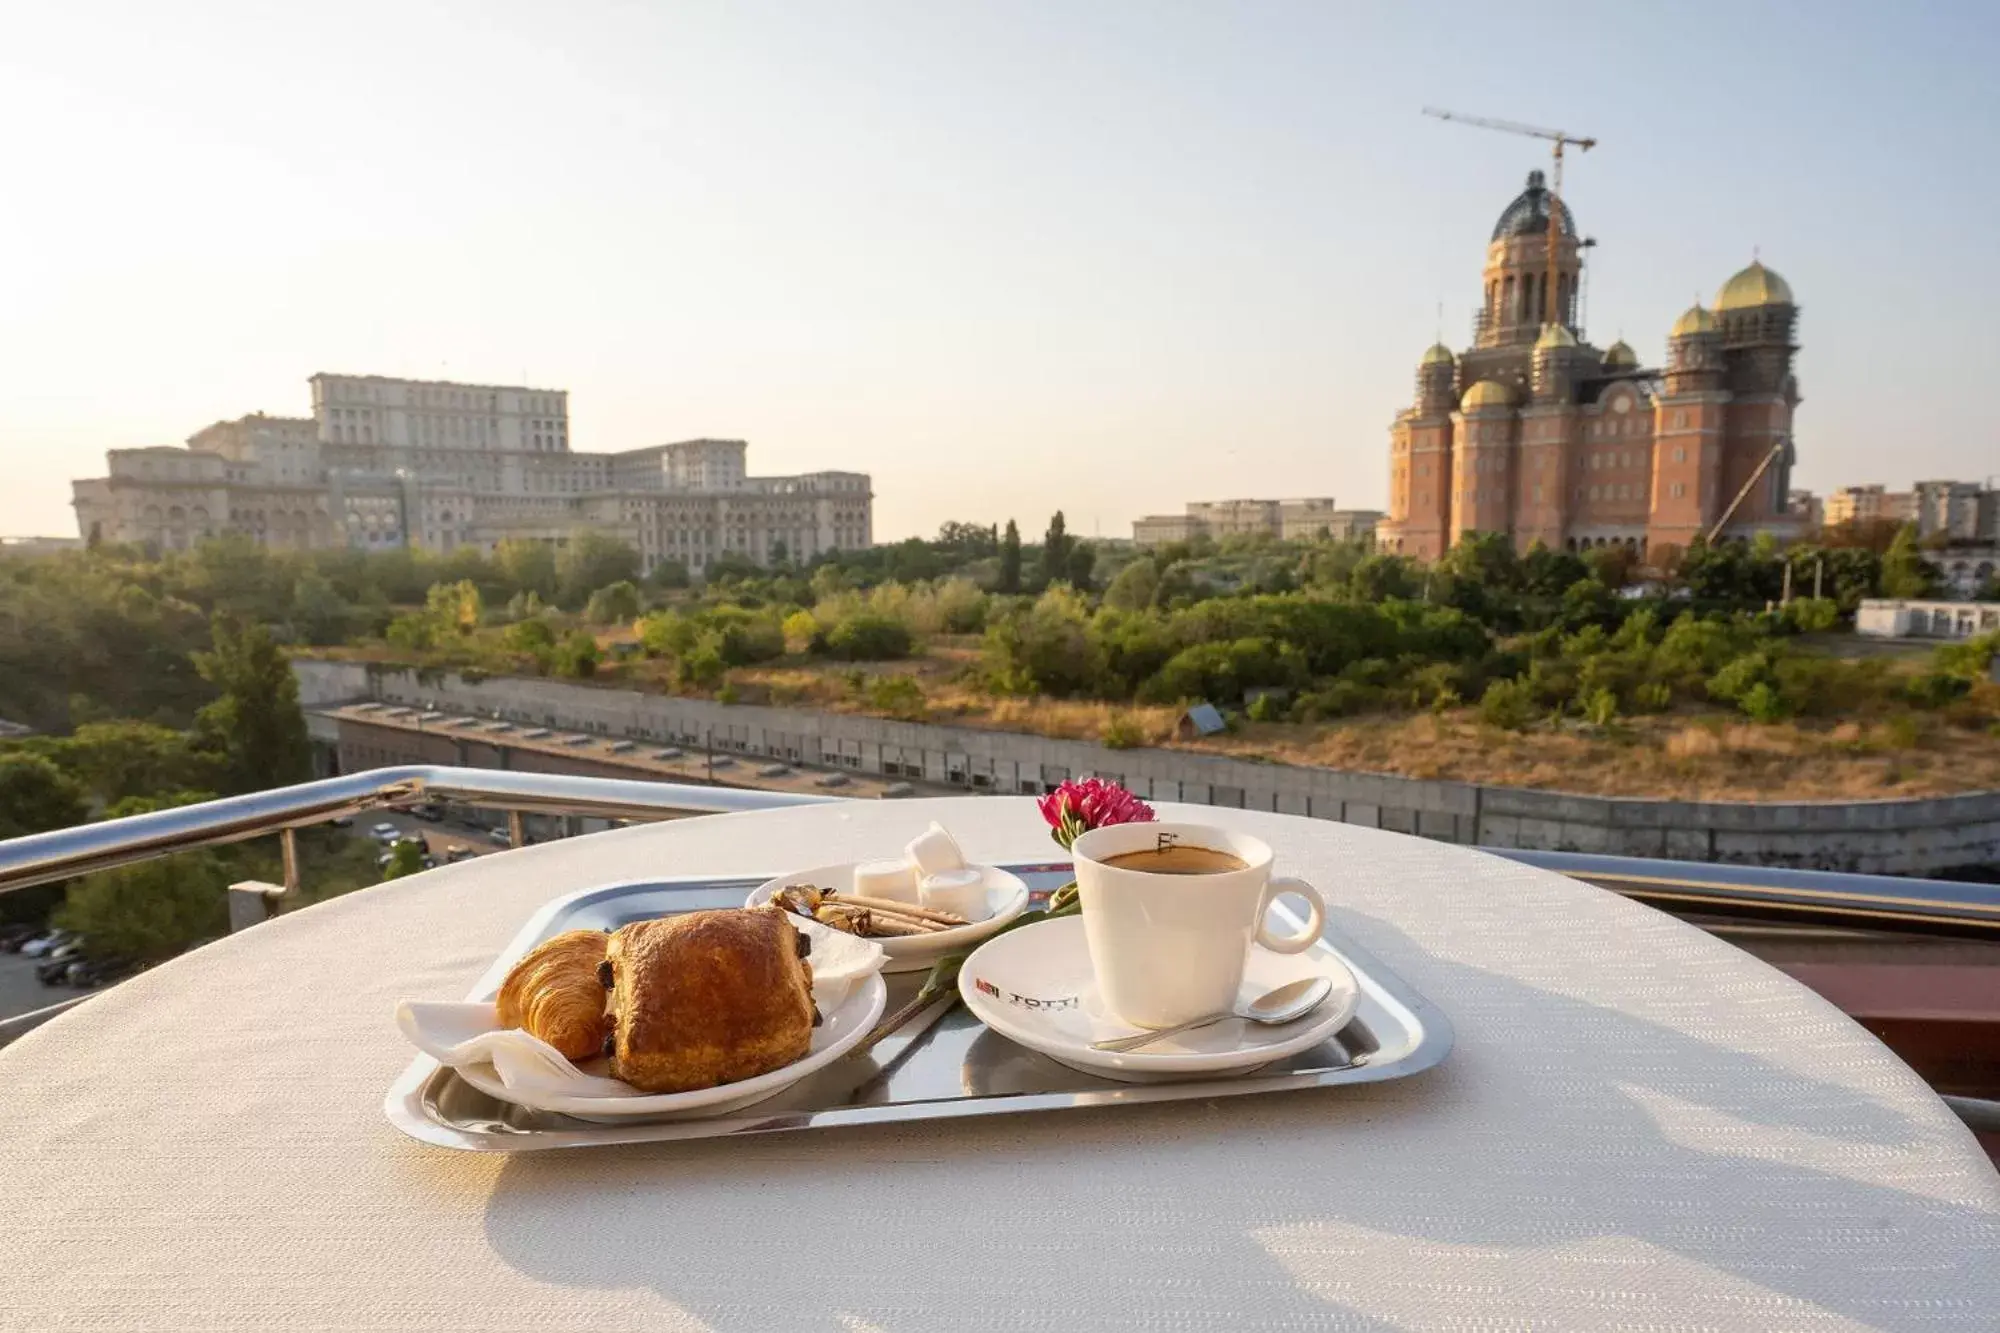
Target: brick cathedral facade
[(1535, 433)]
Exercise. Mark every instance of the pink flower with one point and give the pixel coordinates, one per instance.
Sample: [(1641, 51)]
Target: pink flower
[(1075, 808)]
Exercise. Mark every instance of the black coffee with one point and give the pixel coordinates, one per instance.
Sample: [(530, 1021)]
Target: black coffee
[(1177, 860)]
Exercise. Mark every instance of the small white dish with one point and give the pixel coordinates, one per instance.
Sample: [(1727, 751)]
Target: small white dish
[(848, 1023), (1006, 898), (1035, 986)]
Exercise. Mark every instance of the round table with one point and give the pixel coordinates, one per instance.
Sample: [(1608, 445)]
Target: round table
[(1639, 1126)]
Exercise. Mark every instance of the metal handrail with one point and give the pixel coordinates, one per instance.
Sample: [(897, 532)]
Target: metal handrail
[(43, 858), (1769, 893), (1878, 901)]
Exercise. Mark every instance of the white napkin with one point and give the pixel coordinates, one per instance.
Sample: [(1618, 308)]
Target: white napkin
[(469, 1033)]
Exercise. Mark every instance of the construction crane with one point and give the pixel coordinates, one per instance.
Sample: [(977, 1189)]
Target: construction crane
[(1560, 140), (1778, 451)]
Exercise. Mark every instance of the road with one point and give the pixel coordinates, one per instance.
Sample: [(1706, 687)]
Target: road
[(20, 992)]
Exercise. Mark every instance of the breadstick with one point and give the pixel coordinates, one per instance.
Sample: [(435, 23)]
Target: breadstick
[(901, 909)]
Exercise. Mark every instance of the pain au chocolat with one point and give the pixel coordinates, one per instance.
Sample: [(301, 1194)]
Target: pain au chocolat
[(705, 998), (555, 993)]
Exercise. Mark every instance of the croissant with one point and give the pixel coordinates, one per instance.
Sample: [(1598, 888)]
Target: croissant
[(705, 998), (555, 993)]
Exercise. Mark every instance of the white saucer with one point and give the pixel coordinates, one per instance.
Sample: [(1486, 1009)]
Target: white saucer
[(1006, 898), (837, 1033), (1035, 986)]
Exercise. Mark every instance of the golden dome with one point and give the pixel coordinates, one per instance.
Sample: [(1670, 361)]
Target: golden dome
[(1486, 393), (1754, 286), (1554, 335), (1620, 354), (1696, 320), (1438, 355)]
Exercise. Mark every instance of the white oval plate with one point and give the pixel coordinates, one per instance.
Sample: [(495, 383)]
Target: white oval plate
[(1035, 986), (1006, 898), (837, 1033)]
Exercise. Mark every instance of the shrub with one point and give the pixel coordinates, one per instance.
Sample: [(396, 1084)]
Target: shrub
[(1600, 706), (1652, 696), (1935, 689), (576, 656), (1507, 704), (1264, 708), (1121, 733), (1812, 615), (898, 696), (801, 629), (701, 665), (1762, 703), (1045, 649), (529, 636), (1227, 671), (728, 694), (1340, 698), (614, 604), (867, 637)]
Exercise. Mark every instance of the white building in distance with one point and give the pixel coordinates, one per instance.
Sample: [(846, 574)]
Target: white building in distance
[(385, 462), (1292, 520)]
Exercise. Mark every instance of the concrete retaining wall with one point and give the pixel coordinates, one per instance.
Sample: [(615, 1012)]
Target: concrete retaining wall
[(1912, 837)]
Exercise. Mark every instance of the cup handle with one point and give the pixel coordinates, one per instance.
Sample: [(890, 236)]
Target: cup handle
[(1305, 938)]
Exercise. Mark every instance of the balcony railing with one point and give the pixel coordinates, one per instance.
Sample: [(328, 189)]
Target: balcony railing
[(1799, 897)]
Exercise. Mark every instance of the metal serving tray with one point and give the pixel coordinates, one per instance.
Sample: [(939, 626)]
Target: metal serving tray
[(953, 1067)]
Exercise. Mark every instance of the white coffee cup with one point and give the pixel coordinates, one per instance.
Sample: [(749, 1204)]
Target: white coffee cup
[(1167, 948)]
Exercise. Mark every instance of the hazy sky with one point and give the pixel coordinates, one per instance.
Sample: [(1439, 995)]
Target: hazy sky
[(1006, 257)]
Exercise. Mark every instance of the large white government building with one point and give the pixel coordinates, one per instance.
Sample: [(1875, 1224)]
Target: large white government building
[(385, 462)]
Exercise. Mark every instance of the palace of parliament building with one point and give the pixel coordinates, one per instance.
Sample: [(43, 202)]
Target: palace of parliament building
[(385, 463), (1533, 432)]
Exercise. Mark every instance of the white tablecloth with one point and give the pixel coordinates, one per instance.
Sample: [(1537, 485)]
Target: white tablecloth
[(1640, 1127)]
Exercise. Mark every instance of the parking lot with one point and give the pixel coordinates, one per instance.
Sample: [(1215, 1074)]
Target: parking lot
[(20, 992)]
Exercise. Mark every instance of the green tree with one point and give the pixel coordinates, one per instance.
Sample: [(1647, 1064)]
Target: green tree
[(669, 574), (120, 759), (405, 858), (590, 561), (320, 614), (576, 656), (1133, 587), (613, 604), (528, 566), (153, 910), (256, 723), (1056, 546), (1082, 560), (36, 796), (1010, 560), (529, 636), (455, 608), (867, 637), (1905, 573)]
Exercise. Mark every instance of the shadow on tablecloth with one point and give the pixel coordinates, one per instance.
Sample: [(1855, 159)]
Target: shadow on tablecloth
[(1509, 1183)]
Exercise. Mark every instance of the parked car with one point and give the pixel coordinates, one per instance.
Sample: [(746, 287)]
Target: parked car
[(500, 838), (89, 972), (457, 852), (42, 945), (385, 833), (342, 821), (430, 814), (14, 936), (830, 780), (774, 771), (51, 971)]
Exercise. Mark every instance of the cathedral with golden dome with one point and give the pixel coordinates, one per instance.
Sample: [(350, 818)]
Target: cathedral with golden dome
[(1534, 432)]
